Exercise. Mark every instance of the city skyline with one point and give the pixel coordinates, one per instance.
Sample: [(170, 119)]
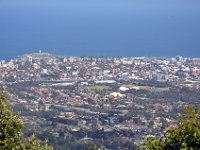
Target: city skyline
[(38, 52)]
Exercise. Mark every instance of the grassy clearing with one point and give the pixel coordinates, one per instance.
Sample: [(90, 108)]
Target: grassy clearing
[(137, 87), (163, 89), (98, 88)]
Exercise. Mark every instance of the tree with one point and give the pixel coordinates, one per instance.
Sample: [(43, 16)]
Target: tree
[(10, 125), (186, 136), (34, 144), (11, 137)]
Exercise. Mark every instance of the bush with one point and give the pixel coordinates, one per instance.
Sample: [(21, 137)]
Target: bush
[(186, 136), (11, 125)]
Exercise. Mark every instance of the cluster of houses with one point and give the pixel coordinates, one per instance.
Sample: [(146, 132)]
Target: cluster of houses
[(101, 92)]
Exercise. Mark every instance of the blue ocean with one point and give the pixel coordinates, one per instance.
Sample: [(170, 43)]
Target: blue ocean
[(100, 28)]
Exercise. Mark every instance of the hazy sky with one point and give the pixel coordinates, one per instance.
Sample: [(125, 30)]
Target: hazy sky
[(100, 27)]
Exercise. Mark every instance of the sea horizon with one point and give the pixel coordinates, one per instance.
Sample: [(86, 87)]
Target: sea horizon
[(102, 28), (70, 54)]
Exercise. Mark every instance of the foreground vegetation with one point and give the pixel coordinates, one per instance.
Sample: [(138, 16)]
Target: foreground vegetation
[(11, 137), (186, 136)]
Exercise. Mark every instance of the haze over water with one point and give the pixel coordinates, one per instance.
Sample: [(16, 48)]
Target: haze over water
[(100, 27)]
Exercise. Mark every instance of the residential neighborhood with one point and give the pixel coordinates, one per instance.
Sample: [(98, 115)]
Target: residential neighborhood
[(79, 99)]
